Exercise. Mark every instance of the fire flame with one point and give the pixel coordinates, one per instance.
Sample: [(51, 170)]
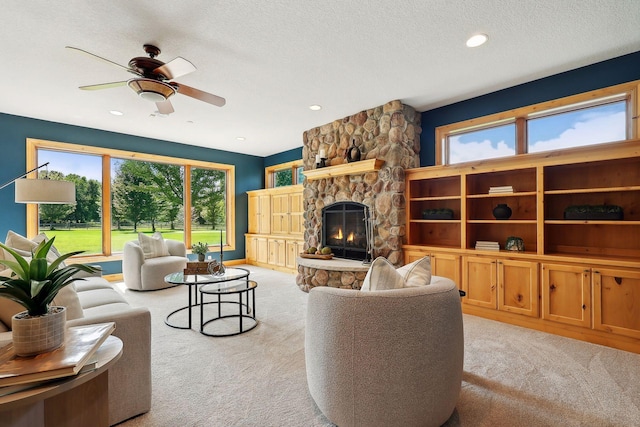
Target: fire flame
[(350, 237), (339, 236)]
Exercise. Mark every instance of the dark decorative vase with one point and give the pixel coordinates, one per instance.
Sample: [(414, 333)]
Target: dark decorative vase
[(353, 153), (200, 257), (502, 211)]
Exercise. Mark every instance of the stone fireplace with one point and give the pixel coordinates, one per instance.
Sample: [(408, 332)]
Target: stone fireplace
[(390, 133)]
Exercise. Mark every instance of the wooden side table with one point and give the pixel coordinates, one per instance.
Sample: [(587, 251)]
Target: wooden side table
[(81, 400)]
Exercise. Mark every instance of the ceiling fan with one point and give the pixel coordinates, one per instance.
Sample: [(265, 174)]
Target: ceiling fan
[(152, 81)]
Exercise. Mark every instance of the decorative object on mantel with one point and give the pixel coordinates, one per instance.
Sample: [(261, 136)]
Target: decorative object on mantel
[(514, 243), (201, 249), (34, 285), (321, 159), (595, 212), (441, 213), (502, 211), (353, 153)]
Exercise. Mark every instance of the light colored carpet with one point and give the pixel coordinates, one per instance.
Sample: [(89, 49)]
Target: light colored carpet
[(512, 376)]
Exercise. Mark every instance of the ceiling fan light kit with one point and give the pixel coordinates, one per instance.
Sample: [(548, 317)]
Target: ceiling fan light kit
[(152, 90)]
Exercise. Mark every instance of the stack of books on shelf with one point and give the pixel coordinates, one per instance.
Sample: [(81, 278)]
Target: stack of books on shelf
[(483, 245), (76, 355), (502, 189)]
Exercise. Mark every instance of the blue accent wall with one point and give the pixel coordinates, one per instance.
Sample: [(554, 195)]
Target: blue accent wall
[(283, 157), (14, 131), (591, 77)]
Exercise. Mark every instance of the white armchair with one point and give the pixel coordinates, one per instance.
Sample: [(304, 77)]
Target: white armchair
[(147, 274), (385, 358)]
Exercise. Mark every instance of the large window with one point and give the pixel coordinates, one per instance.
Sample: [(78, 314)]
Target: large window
[(120, 194), (597, 117)]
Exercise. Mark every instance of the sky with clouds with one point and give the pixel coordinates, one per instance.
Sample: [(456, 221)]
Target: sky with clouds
[(604, 123)]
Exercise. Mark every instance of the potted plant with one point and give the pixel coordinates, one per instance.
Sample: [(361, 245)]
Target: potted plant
[(201, 249), (34, 284)]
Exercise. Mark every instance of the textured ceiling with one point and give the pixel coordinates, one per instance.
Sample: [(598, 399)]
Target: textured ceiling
[(271, 60)]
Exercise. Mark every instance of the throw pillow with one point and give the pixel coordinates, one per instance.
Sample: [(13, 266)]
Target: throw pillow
[(25, 246), (153, 246), (417, 273), (382, 275), (68, 297)]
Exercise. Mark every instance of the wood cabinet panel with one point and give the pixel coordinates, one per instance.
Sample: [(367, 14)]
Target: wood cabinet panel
[(616, 301), (262, 252), (479, 281), (518, 287), (446, 265), (566, 294)]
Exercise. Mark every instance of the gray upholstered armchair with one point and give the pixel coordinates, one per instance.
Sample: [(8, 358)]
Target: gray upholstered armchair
[(146, 274), (385, 358)]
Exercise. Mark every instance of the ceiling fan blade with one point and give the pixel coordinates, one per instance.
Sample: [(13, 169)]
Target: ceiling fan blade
[(104, 59), (199, 94), (165, 107), (104, 85), (175, 68)]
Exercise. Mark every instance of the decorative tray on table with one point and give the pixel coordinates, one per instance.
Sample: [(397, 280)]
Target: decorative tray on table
[(314, 256)]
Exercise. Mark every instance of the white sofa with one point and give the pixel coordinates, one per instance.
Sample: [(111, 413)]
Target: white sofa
[(147, 274), (130, 377)]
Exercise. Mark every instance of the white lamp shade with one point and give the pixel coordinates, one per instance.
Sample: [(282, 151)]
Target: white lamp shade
[(45, 191)]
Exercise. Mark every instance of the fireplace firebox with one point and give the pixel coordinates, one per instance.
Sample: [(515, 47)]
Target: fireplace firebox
[(344, 230)]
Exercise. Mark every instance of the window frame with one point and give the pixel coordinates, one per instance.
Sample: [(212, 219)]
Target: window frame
[(33, 145), (520, 116), (270, 171)]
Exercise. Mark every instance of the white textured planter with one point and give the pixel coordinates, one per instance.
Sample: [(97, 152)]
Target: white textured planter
[(38, 334)]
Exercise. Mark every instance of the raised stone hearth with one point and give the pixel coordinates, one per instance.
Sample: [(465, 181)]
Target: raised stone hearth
[(337, 273), (391, 133)]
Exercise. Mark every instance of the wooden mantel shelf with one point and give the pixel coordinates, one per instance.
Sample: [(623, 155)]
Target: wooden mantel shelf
[(355, 168)]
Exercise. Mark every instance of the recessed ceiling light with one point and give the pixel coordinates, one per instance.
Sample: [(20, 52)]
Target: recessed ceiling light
[(477, 40), (116, 113), (315, 107), (240, 138)]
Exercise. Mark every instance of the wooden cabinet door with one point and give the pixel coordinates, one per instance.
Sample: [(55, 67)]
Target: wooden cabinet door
[(446, 265), (265, 214), (296, 219), (254, 214), (262, 252), (279, 213), (273, 252), (251, 248), (616, 301), (281, 257), (293, 250), (479, 281), (518, 287), (566, 294)]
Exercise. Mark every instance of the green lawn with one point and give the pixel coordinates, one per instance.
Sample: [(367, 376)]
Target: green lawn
[(89, 240)]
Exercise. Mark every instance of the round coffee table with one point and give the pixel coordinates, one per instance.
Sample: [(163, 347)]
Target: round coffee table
[(229, 287), (195, 280)]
